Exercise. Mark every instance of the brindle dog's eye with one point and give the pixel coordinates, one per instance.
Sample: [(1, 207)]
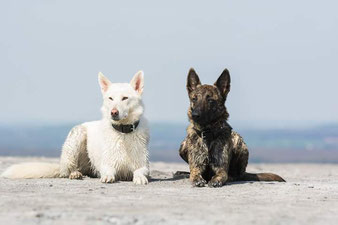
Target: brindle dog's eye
[(111, 98), (194, 99), (124, 98)]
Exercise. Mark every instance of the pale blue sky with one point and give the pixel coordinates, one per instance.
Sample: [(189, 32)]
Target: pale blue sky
[(282, 56)]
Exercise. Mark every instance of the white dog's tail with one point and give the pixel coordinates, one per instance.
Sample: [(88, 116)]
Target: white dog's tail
[(32, 170)]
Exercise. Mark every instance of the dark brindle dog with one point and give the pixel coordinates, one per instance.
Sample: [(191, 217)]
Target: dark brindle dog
[(216, 154)]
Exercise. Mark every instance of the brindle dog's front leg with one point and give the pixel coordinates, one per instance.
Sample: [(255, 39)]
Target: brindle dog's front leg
[(219, 162), (198, 160), (220, 177), (196, 175)]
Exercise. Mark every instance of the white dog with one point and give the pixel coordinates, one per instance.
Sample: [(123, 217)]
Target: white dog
[(114, 148)]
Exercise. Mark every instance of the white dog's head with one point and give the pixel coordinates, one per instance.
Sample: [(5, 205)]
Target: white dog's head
[(122, 102)]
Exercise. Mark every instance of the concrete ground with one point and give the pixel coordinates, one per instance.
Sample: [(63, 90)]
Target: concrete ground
[(310, 196)]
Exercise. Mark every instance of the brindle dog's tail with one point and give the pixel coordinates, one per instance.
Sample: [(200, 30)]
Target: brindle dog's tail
[(260, 177)]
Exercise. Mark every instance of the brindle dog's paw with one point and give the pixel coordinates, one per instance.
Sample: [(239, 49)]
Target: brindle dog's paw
[(215, 183), (75, 175), (199, 182)]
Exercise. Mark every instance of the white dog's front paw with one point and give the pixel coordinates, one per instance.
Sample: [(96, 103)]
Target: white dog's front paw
[(75, 175), (140, 179), (107, 179)]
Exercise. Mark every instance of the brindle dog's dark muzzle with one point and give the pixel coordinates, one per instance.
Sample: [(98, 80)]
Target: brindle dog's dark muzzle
[(199, 116), (195, 114)]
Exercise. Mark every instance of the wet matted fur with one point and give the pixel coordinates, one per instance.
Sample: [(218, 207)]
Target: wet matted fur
[(216, 154)]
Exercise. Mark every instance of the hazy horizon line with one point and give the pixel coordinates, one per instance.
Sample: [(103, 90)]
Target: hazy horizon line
[(236, 124)]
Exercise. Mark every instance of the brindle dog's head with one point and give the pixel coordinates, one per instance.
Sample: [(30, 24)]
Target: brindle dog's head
[(207, 101)]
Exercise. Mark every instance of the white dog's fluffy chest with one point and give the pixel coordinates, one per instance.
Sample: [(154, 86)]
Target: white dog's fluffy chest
[(125, 152)]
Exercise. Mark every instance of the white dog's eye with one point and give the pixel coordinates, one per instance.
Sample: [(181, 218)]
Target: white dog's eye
[(111, 98), (124, 98)]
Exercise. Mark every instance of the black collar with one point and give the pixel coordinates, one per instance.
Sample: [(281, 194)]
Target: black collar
[(126, 128), (211, 134)]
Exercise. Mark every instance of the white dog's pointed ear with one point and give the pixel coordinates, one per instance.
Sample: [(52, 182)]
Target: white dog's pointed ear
[(138, 82), (104, 82)]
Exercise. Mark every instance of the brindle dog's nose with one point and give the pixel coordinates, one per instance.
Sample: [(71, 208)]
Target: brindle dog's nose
[(195, 115), (115, 113)]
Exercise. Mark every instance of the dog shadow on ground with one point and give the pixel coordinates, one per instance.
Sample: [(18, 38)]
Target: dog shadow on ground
[(157, 176)]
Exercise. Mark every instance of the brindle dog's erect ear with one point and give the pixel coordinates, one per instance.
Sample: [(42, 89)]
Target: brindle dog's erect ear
[(193, 80), (223, 83)]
